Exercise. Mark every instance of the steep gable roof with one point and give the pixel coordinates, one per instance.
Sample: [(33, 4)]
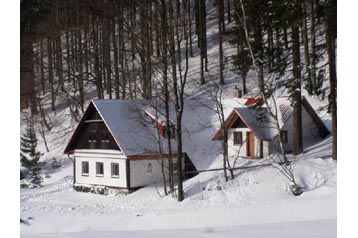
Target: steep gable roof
[(132, 129), (259, 121), (256, 120)]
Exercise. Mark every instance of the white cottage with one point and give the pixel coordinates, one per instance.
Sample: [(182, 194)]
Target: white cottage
[(252, 132), (120, 144)]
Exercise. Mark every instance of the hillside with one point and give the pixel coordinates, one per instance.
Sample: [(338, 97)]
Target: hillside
[(256, 203)]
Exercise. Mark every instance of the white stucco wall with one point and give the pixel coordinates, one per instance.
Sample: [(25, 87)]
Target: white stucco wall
[(309, 130), (234, 149), (142, 172), (146, 172), (309, 133), (106, 157)]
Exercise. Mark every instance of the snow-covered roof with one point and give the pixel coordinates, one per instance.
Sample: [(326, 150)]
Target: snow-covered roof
[(261, 122), (131, 127)]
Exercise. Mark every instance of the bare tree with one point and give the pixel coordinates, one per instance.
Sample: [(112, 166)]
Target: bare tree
[(331, 36), (265, 93), (182, 20), (215, 92), (295, 85), (221, 24)]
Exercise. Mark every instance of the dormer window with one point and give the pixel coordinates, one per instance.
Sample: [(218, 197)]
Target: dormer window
[(104, 136), (92, 136)]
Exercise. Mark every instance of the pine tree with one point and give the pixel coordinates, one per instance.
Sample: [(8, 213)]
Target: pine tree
[(30, 156)]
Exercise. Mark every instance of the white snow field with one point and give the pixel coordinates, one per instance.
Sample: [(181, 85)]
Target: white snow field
[(256, 203)]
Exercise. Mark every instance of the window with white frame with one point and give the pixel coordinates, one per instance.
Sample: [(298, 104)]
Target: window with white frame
[(85, 168), (114, 170), (99, 169)]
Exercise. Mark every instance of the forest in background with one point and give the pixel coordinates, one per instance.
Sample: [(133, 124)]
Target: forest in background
[(139, 49)]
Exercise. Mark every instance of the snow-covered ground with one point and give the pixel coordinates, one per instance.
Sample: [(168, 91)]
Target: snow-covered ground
[(319, 228), (256, 203)]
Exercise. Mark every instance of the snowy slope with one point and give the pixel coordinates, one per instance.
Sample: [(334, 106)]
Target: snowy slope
[(256, 197)]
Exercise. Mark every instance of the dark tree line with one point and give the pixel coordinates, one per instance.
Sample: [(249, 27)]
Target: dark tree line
[(115, 46)]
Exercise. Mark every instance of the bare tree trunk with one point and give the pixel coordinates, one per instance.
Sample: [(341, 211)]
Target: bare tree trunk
[(121, 53), (96, 67), (228, 9), (50, 72), (107, 55), (132, 82), (220, 11), (79, 53), (42, 68), (190, 21), (68, 55), (296, 90), (74, 60), (201, 31), (270, 47), (225, 144), (115, 58), (181, 21), (27, 76), (156, 27), (331, 36), (85, 48), (306, 48), (59, 65), (145, 55), (80, 70), (313, 49), (164, 22), (260, 83)]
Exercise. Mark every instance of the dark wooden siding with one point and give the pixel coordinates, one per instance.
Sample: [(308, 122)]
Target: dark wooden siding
[(83, 142), (238, 123), (92, 121)]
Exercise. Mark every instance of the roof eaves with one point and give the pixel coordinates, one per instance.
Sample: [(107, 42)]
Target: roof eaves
[(248, 125), (67, 151)]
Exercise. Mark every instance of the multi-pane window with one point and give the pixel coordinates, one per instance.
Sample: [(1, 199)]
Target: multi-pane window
[(85, 168), (237, 138), (114, 170), (284, 136), (99, 169), (92, 136), (104, 136)]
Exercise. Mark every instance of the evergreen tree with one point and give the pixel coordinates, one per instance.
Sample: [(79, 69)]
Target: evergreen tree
[(30, 156)]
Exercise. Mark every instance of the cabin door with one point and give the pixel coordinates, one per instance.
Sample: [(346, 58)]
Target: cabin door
[(250, 143)]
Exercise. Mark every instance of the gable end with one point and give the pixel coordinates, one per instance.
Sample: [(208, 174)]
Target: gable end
[(91, 133)]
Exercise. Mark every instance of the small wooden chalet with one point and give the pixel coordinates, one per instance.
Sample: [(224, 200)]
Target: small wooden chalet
[(121, 144), (252, 131)]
